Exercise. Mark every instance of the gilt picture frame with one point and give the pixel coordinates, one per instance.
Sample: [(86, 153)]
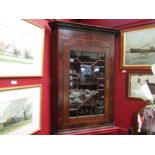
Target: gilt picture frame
[(21, 48), (138, 47), (136, 79), (20, 114)]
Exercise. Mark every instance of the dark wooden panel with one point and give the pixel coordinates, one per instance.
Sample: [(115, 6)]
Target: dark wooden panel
[(66, 37), (80, 27)]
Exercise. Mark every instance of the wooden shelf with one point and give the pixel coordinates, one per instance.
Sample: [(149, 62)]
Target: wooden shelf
[(87, 84), (100, 107), (100, 78), (100, 89), (74, 78)]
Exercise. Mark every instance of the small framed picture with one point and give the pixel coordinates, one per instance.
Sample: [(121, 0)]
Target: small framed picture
[(138, 47), (20, 110), (137, 79)]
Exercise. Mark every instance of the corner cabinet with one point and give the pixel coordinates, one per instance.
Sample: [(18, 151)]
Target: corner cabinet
[(82, 62)]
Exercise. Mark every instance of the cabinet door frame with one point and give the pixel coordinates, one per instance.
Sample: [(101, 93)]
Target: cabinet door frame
[(66, 59)]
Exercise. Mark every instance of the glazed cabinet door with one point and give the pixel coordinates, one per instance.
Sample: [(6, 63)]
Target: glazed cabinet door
[(82, 77), (86, 85)]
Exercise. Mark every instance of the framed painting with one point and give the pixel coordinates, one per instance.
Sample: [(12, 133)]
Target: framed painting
[(21, 48), (138, 79), (20, 113), (138, 48)]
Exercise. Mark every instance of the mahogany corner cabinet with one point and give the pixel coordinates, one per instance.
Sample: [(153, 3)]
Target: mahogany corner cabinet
[(82, 68)]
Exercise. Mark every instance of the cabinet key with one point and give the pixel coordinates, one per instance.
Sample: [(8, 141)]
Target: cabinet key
[(107, 83)]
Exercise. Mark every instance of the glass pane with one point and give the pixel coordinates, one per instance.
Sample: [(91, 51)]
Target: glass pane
[(101, 56), (98, 69), (86, 95), (87, 56)]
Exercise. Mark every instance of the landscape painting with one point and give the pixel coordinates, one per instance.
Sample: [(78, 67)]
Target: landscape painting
[(20, 113), (137, 79), (15, 114), (138, 48), (21, 48)]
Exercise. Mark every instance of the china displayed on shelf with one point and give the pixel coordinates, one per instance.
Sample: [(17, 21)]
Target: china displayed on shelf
[(82, 75), (86, 83)]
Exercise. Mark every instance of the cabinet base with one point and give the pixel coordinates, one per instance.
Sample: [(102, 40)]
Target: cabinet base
[(108, 130)]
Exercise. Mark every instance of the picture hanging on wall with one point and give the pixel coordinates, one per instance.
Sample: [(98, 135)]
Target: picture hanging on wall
[(20, 114), (138, 47), (138, 79), (21, 48)]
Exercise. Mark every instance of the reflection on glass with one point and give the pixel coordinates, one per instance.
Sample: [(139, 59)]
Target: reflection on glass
[(86, 83)]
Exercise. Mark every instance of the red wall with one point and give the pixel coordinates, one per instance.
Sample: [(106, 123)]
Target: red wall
[(45, 80), (115, 23), (124, 108)]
